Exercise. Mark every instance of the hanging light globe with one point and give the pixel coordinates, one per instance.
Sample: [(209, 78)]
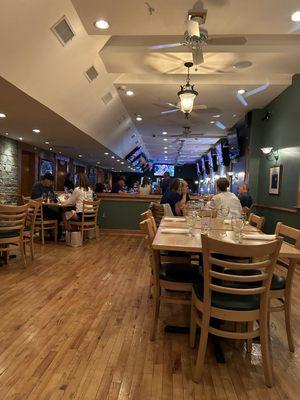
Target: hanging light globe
[(187, 94)]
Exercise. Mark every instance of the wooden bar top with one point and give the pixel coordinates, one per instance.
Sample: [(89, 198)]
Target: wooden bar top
[(135, 197)]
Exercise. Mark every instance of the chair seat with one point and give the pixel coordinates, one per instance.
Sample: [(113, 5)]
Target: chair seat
[(173, 272), (228, 301), (278, 282), (169, 253), (46, 222), (9, 234)]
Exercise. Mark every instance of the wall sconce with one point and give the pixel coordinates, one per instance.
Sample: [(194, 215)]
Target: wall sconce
[(270, 153)]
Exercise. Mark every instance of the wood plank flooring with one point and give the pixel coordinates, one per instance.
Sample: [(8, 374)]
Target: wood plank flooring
[(75, 325)]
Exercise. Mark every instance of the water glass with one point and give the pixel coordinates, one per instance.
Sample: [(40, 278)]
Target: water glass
[(237, 226), (205, 225)]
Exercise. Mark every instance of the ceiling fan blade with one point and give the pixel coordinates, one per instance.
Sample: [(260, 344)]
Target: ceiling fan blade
[(227, 40), (220, 125), (197, 56), (169, 111), (192, 27), (200, 107), (172, 105), (256, 90), (241, 99), (165, 46)]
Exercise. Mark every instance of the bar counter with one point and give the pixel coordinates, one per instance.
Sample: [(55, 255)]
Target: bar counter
[(120, 212)]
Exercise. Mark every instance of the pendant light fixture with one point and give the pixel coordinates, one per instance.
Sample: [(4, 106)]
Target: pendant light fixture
[(187, 94)]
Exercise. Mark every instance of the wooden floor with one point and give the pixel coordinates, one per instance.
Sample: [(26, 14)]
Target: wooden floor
[(75, 325)]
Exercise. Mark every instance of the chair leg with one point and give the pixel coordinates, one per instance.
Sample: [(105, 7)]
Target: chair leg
[(250, 326), (42, 232), (55, 233), (265, 351), (288, 326), (23, 256), (97, 231), (193, 328), (31, 248), (202, 348), (156, 305)]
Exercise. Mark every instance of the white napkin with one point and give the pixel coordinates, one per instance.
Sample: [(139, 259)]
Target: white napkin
[(227, 221), (175, 219), (174, 230), (259, 237)]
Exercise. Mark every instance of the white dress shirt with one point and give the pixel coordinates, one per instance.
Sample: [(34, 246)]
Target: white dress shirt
[(229, 200), (77, 198)]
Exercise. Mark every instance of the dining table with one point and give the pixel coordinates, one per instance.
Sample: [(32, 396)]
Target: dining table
[(188, 240)]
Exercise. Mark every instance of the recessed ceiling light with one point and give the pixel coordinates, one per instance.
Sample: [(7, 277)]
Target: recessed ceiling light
[(166, 151), (164, 133), (129, 92), (165, 147), (36, 130), (79, 155), (50, 148), (242, 64), (20, 138), (47, 142), (122, 162), (118, 160), (102, 24), (165, 139), (6, 133), (112, 156), (241, 91), (212, 122), (139, 118), (217, 116), (295, 17), (2, 115), (106, 154), (234, 115)]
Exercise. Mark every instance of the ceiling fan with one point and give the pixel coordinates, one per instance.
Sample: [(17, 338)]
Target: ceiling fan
[(187, 134), (248, 93), (195, 37)]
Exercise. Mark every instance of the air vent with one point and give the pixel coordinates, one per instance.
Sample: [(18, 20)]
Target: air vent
[(91, 73), (107, 98), (63, 31)]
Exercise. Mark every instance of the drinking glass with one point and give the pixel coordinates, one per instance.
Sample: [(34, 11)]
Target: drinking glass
[(237, 226), (244, 218), (205, 225), (191, 219)]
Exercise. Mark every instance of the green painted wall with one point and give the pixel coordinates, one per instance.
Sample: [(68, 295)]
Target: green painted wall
[(282, 131), (121, 214)]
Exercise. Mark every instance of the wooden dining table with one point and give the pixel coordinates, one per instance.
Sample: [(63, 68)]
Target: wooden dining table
[(191, 243)]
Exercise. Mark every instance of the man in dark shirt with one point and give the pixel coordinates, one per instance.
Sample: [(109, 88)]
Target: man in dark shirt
[(165, 183), (244, 195), (43, 188), (118, 186)]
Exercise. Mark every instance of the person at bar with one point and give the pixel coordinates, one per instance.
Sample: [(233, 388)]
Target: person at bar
[(44, 188), (244, 195), (225, 198), (175, 196), (145, 187), (118, 187), (165, 183), (68, 183)]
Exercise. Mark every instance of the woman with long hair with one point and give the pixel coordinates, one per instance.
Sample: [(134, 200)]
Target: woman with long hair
[(145, 187), (81, 193), (176, 196)]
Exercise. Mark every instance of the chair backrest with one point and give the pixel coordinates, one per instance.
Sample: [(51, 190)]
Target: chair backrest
[(292, 235), (167, 210), (12, 218), (262, 258), (246, 210), (256, 221), (148, 226), (145, 215), (90, 210), (158, 212), (32, 213)]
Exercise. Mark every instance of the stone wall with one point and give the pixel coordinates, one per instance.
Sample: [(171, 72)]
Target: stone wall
[(8, 171)]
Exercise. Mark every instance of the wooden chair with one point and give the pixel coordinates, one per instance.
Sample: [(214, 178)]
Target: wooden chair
[(12, 225), (42, 224), (33, 207), (221, 297), (172, 282), (256, 221), (89, 222), (157, 212), (281, 287), (145, 215), (246, 210)]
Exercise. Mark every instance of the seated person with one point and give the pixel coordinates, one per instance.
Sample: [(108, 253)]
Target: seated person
[(145, 187), (244, 196), (185, 189), (44, 188), (226, 198), (118, 187), (68, 183), (165, 183), (99, 188), (81, 193), (175, 196)]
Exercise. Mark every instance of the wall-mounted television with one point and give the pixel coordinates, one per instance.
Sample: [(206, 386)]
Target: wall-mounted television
[(134, 154), (219, 153), (206, 163), (160, 169), (233, 144), (210, 159), (202, 165)]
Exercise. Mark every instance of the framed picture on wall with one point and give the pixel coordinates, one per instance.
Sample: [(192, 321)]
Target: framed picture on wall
[(46, 166), (274, 179)]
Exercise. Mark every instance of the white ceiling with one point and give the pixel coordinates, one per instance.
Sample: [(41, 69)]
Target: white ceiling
[(34, 60)]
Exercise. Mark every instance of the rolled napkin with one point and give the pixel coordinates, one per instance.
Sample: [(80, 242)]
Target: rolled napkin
[(259, 237), (175, 219), (174, 230)]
